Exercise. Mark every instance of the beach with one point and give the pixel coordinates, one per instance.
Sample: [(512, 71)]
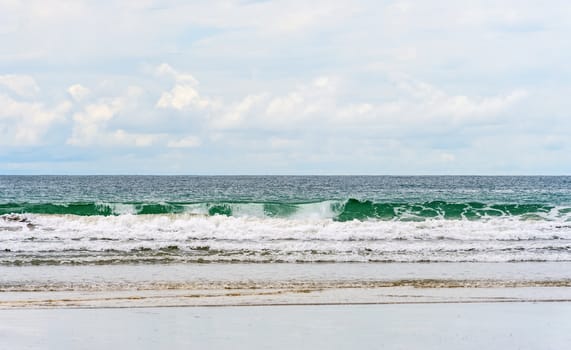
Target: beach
[(280, 284), (412, 326), (244, 306), (264, 174), (281, 262)]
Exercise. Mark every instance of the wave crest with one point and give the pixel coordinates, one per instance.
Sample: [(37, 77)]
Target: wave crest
[(338, 210)]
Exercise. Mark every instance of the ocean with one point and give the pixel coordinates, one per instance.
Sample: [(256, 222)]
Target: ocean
[(117, 220)]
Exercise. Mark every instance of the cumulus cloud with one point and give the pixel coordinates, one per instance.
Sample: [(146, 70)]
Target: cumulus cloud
[(235, 114), (320, 106), (22, 85), (121, 137), (261, 109), (430, 102), (185, 142), (24, 119), (284, 143), (165, 70), (91, 124), (26, 123), (305, 103), (184, 94), (78, 92), (433, 82)]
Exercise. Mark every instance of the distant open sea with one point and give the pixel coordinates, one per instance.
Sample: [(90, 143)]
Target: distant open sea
[(78, 220)]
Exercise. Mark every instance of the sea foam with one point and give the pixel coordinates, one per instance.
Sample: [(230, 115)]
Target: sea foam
[(40, 238)]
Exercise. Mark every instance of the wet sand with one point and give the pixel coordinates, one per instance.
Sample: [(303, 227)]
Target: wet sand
[(243, 306), (412, 326), (280, 284), (281, 295)]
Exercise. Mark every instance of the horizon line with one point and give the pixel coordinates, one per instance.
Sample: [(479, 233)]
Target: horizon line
[(293, 174)]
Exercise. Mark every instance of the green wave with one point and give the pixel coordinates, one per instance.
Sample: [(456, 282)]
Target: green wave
[(361, 210), (351, 209), (91, 209)]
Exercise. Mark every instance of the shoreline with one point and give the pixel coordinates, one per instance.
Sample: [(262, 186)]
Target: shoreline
[(183, 306), (138, 286)]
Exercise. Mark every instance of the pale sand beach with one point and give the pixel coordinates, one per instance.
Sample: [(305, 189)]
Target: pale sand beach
[(280, 284), (270, 262), (412, 326), (283, 306), (264, 174)]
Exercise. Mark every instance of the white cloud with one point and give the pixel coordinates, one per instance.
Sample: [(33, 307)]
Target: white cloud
[(306, 16), (284, 143), (321, 105), (307, 103), (23, 85), (447, 157), (185, 142), (26, 123), (184, 94), (424, 101), (286, 106), (166, 70), (123, 138), (235, 114), (468, 70), (91, 124), (78, 92)]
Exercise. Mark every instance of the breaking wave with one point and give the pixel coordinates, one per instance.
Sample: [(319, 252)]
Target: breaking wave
[(190, 238), (338, 210)]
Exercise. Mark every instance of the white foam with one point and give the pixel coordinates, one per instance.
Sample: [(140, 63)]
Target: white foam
[(319, 210), (251, 238), (122, 209), (248, 210)]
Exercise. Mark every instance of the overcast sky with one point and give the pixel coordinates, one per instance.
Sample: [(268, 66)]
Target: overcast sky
[(285, 87)]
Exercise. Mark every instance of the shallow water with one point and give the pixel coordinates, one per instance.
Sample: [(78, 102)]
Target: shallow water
[(130, 241), (110, 220)]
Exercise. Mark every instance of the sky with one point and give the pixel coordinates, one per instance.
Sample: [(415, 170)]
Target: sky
[(285, 87)]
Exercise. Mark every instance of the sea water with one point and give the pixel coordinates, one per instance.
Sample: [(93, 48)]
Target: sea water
[(101, 220)]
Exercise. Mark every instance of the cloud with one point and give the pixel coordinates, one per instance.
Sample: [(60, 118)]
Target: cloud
[(447, 157), (284, 143), (321, 104), (165, 70), (123, 138), (306, 103), (235, 114), (26, 123), (22, 85), (184, 94), (185, 142), (78, 92), (91, 125), (360, 85), (425, 101)]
